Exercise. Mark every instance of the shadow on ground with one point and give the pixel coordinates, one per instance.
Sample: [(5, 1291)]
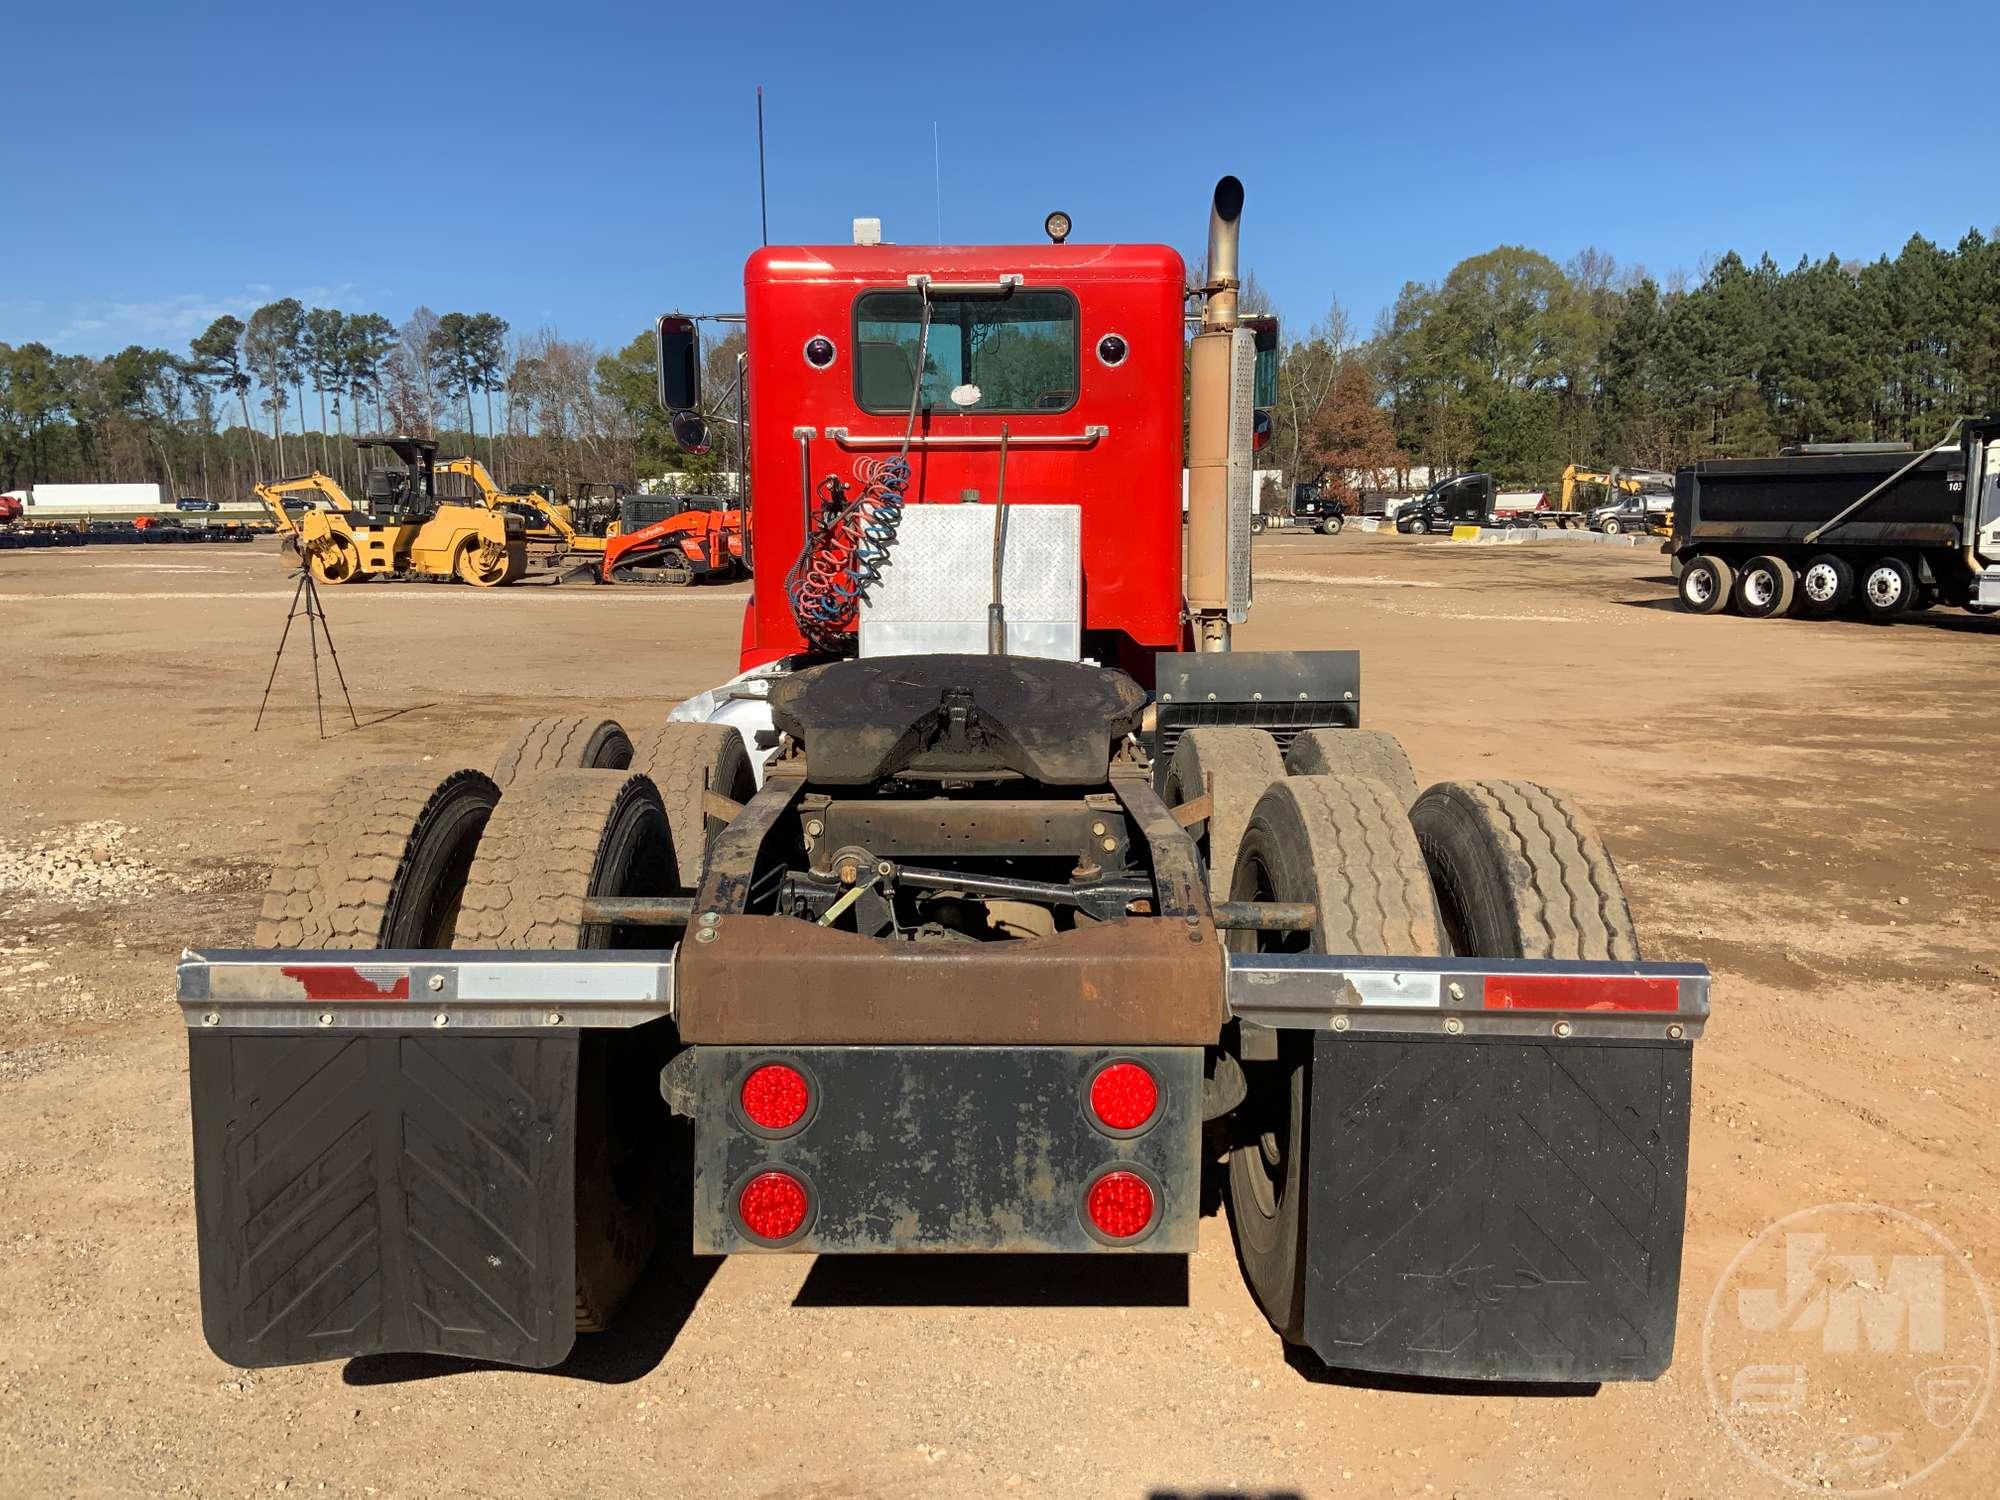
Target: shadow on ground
[(995, 1281), (647, 1326)]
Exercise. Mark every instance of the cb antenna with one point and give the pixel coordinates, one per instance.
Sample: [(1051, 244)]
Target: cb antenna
[(763, 202)]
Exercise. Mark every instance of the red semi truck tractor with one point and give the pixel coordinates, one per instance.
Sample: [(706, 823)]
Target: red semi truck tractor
[(996, 905)]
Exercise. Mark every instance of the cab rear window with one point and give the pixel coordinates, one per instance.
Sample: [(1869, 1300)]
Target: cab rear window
[(1018, 351)]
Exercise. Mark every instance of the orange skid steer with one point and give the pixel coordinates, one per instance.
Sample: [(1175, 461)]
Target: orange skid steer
[(679, 540)]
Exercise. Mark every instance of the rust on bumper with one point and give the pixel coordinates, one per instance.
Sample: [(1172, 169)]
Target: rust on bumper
[(780, 981)]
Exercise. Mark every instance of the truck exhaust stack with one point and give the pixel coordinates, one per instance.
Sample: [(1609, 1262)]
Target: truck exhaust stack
[(1211, 363)]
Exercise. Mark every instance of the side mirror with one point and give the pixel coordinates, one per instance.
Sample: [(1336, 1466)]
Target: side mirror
[(1264, 327), (678, 349), (689, 431)]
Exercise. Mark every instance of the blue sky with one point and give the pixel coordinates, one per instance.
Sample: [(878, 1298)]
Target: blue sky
[(587, 166)]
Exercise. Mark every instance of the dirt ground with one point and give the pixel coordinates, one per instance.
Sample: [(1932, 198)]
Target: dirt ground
[(1808, 807)]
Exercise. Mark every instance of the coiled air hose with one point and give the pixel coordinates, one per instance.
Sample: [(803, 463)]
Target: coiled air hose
[(847, 547)]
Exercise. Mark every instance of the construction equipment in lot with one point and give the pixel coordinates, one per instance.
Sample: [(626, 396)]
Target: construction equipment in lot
[(675, 539), (1634, 499), (404, 531), (554, 542), (1826, 527), (990, 905)]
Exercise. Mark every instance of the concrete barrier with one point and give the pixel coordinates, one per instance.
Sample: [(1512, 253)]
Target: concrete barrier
[(1515, 536)]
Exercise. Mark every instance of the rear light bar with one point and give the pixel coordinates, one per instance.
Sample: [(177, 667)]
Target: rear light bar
[(1469, 996), (440, 988)]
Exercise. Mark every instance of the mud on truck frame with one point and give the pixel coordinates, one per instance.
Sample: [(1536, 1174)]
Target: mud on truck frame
[(993, 907)]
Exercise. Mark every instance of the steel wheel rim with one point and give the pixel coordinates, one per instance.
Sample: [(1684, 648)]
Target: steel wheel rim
[(1820, 583), (1700, 585)]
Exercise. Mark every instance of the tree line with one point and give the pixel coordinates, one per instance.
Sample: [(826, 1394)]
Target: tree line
[(289, 389), (1510, 363), (1516, 365)]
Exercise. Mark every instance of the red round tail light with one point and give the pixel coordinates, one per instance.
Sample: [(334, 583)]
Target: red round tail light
[(1124, 1096), (1120, 1205), (773, 1205), (775, 1096)]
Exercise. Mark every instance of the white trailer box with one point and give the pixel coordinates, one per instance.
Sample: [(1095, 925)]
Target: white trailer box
[(76, 499)]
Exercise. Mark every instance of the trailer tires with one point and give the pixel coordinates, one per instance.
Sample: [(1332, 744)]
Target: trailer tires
[(1706, 584), (1235, 766), (685, 760), (1345, 844), (563, 744), (385, 867), (1888, 588), (1354, 752), (1521, 873), (1765, 588), (557, 839), (1827, 585)]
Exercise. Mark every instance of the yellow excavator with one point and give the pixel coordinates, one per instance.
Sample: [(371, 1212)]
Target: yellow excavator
[(403, 531), (552, 533)]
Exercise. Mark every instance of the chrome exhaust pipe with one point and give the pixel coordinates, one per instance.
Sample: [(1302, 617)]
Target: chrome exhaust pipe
[(1208, 426), (1225, 215)]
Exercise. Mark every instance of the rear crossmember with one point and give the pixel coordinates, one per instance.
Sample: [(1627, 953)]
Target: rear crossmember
[(386, 1148)]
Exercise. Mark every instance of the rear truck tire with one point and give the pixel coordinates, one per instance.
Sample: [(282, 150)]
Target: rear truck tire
[(556, 839), (1888, 588), (1765, 588), (384, 867), (1240, 763), (1706, 584), (1344, 844), (581, 743), (1521, 873), (1355, 752), (334, 560), (685, 760), (469, 567), (1826, 586)]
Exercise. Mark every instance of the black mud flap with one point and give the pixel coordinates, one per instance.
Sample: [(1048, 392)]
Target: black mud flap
[(1496, 1209), (387, 1190), (1283, 692)]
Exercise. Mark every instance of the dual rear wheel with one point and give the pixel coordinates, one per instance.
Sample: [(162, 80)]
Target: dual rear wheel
[(575, 809), (1505, 869)]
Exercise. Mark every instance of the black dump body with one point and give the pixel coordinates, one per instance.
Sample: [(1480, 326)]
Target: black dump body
[(1777, 500)]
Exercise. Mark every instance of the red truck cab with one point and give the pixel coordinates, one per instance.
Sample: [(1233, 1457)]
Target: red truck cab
[(1076, 349)]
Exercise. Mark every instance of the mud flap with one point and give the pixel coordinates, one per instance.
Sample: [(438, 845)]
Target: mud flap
[(1496, 1208), (385, 1190)]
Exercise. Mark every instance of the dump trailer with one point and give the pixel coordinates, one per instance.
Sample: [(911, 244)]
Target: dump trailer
[(994, 904), (1824, 527)]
